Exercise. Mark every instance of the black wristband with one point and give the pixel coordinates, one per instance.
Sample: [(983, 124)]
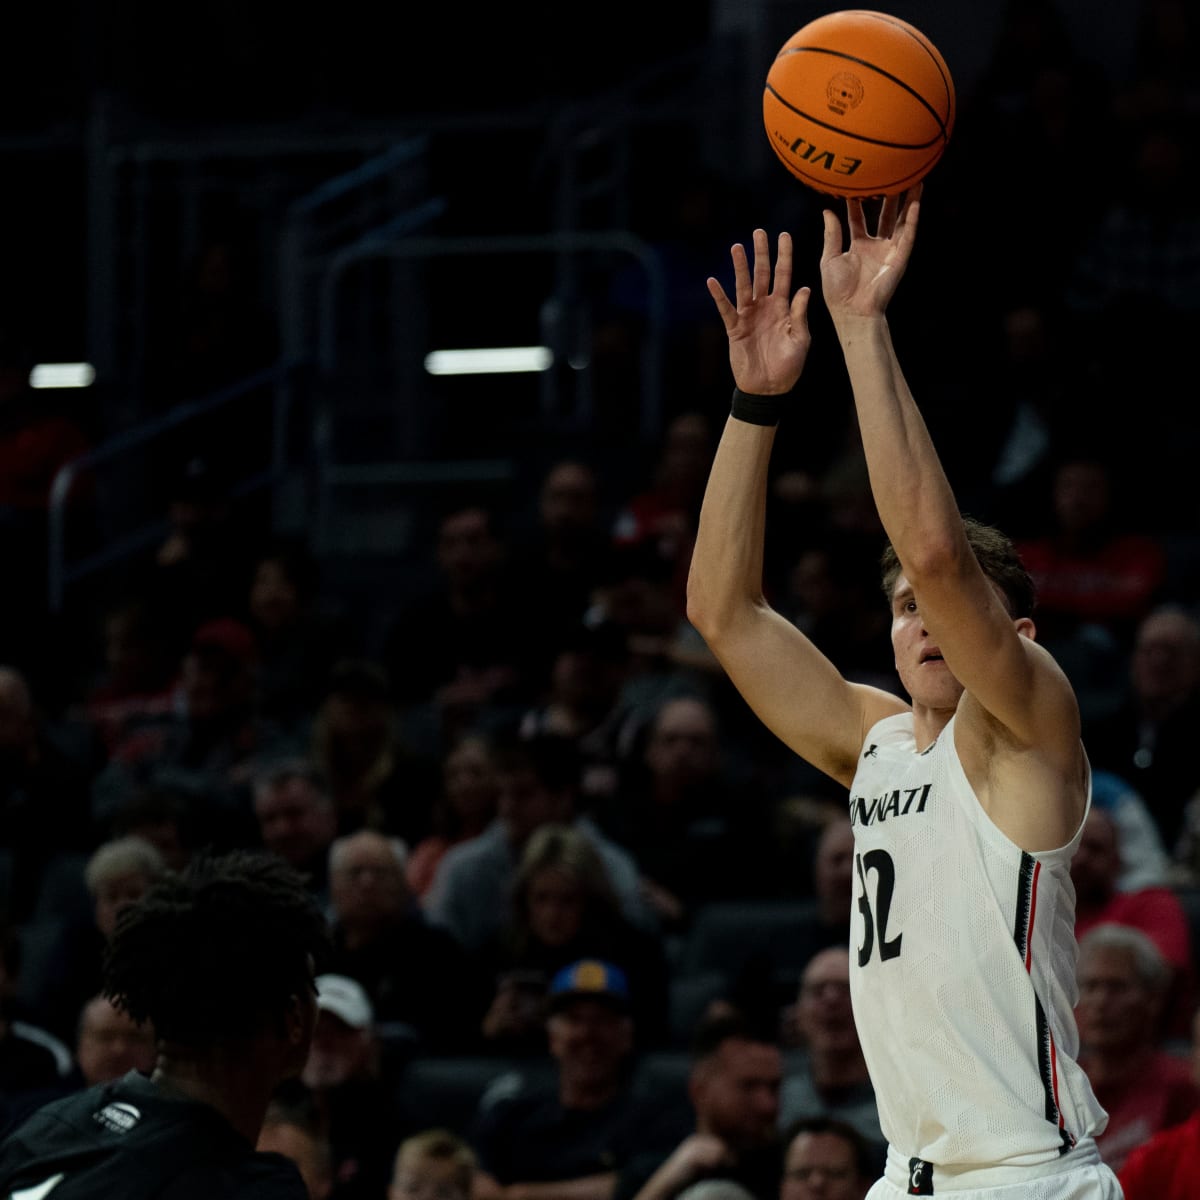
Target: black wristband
[(757, 410)]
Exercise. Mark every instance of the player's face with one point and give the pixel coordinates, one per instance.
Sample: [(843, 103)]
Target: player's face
[(919, 662), (820, 1166)]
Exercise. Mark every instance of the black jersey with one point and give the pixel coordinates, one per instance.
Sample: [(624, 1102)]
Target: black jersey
[(130, 1140)]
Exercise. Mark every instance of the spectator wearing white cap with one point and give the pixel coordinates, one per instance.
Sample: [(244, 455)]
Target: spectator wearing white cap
[(351, 1095)]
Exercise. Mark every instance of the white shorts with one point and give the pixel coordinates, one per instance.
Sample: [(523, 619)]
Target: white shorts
[(1078, 1175)]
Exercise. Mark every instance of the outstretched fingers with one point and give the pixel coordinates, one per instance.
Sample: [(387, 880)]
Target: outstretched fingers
[(725, 308), (856, 219), (762, 265), (799, 308), (783, 266), (907, 224), (889, 216), (743, 288), (833, 234)]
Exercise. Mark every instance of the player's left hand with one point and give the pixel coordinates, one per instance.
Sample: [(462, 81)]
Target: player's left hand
[(768, 326)]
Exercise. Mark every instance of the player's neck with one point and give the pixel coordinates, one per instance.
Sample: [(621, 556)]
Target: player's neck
[(233, 1082), (928, 724)]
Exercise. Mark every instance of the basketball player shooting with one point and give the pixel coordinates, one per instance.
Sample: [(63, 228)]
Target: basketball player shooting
[(967, 803)]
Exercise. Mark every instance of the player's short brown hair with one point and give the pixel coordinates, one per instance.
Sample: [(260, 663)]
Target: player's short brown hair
[(997, 557)]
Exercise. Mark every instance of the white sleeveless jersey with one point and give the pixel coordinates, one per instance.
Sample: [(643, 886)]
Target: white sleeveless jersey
[(962, 965)]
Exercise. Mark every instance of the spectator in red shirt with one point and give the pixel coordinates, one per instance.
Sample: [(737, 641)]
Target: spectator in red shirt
[(1168, 1165), (1088, 570), (1155, 911), (1122, 985)]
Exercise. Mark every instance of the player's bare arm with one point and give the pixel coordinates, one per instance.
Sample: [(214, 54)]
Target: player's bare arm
[(792, 687), (1018, 719)]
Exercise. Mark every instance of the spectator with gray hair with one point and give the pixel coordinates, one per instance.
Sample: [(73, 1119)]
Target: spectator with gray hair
[(1096, 871), (421, 983), (116, 875), (1143, 1086)]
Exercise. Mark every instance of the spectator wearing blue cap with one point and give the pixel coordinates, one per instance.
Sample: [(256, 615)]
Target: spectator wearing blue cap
[(567, 1138)]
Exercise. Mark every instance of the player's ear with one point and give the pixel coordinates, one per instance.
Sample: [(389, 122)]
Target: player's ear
[(1026, 628)]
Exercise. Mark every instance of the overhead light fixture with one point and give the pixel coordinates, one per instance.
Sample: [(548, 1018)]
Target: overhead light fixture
[(502, 360), (62, 375)]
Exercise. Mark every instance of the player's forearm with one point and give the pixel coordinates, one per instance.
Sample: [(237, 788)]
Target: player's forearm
[(912, 494), (725, 576)]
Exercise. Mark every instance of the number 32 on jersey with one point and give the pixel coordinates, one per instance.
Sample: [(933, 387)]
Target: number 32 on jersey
[(876, 865)]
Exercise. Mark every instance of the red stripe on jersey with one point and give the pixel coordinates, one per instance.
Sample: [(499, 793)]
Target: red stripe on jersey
[(1037, 869)]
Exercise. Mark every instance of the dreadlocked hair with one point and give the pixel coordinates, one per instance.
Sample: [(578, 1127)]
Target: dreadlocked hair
[(216, 952)]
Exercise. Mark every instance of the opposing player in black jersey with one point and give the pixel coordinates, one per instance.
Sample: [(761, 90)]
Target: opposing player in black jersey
[(220, 960)]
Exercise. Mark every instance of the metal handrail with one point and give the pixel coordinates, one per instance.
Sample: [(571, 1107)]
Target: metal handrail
[(554, 243), (58, 575)]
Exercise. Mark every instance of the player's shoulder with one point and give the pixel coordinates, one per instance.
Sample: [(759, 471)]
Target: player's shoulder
[(63, 1116), (890, 728)]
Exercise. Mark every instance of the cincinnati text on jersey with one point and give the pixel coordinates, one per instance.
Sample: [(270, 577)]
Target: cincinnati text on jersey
[(898, 803)]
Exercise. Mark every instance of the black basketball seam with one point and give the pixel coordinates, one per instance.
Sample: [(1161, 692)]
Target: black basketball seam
[(862, 62), (922, 41), (818, 179), (858, 137)]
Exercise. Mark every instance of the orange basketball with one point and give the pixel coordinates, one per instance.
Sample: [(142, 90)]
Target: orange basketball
[(859, 103)]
